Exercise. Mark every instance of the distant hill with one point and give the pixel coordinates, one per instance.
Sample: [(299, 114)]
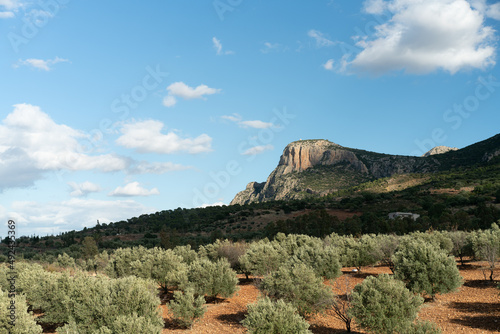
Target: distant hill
[(320, 187), (319, 167)]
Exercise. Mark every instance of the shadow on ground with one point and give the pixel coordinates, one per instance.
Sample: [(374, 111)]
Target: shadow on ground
[(233, 318)]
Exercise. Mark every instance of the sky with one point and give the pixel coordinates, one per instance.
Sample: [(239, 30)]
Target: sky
[(114, 109)]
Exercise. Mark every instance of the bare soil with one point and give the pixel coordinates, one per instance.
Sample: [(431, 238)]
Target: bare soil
[(473, 308)]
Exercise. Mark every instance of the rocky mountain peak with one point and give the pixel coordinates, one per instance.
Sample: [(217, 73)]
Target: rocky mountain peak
[(303, 154), (439, 150)]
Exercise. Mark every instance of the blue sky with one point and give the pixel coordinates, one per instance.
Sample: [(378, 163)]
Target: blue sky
[(110, 109)]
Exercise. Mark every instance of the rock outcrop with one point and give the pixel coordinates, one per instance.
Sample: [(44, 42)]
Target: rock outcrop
[(285, 182), (320, 167), (439, 150)]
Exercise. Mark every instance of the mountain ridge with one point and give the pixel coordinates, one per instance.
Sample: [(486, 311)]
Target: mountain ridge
[(319, 167)]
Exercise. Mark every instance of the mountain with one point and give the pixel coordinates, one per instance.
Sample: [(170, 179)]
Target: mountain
[(320, 167), (439, 150)]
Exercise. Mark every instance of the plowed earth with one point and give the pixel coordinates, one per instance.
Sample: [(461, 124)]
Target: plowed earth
[(473, 308)]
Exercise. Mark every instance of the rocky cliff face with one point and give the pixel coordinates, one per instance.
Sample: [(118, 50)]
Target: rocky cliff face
[(319, 167), (285, 182)]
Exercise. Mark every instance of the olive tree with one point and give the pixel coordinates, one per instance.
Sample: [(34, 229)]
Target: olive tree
[(263, 257), (186, 307), (384, 305), (162, 265), (214, 279), (426, 268), (15, 318), (279, 317), (298, 284), (486, 245), (462, 245)]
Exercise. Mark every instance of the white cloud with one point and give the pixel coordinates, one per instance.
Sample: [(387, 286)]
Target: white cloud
[(145, 167), (273, 47), (45, 65), (6, 15), (146, 137), (375, 6), (491, 11), (74, 214), (426, 35), (83, 189), (494, 11), (10, 4), (320, 38), (258, 149), (256, 124), (328, 65), (31, 143), (233, 117), (180, 89), (218, 47), (133, 189), (169, 101)]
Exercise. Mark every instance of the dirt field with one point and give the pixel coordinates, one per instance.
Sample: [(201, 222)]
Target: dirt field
[(474, 308)]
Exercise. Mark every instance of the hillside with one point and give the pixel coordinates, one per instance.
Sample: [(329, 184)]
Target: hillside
[(464, 198), (319, 167)]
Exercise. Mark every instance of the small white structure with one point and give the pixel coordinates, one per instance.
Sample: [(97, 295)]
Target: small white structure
[(394, 215)]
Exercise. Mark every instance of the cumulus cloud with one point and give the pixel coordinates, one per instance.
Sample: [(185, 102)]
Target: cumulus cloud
[(133, 189), (147, 137), (218, 47), (319, 37), (423, 36), (83, 189), (10, 4), (45, 65), (54, 217), (180, 89), (328, 65), (256, 124), (494, 11), (258, 149), (31, 143)]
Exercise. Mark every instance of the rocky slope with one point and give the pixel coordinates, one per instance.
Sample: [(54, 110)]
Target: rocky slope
[(439, 150), (320, 167)]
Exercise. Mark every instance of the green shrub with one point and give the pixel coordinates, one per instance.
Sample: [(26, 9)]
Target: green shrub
[(263, 257), (186, 308), (298, 284), (187, 254), (355, 252), (462, 245), (212, 278), (163, 266), (323, 260), (426, 268), (90, 303), (65, 261), (384, 305), (24, 321), (278, 317), (424, 327), (486, 246)]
